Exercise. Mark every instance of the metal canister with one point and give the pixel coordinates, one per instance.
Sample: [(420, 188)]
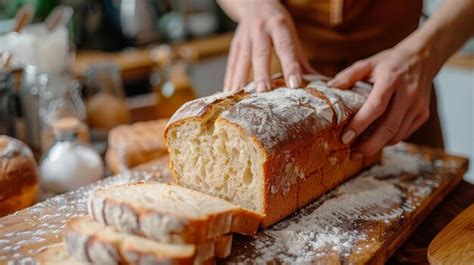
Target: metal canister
[(7, 104), (29, 98)]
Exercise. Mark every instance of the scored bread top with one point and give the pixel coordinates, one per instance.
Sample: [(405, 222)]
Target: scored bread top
[(281, 115)]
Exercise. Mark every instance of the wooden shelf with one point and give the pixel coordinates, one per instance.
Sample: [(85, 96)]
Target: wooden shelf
[(136, 63)]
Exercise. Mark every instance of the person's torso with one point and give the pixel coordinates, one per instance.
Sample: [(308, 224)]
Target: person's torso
[(342, 31)]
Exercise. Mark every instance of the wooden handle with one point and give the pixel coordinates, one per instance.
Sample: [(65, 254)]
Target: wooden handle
[(455, 243), (59, 16), (23, 17)]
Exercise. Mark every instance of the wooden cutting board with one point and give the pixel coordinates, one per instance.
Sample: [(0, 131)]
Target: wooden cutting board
[(366, 219), (455, 243), (363, 221)]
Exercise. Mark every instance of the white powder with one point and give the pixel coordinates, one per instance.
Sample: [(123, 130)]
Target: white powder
[(364, 198), (395, 161)]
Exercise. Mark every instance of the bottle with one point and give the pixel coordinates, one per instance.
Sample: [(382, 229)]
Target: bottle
[(69, 163), (106, 106), (171, 82), (59, 97)]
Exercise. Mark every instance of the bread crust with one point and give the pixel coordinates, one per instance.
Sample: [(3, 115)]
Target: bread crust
[(303, 158)]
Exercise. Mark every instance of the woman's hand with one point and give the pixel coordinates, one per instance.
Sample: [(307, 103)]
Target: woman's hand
[(398, 103), (262, 24)]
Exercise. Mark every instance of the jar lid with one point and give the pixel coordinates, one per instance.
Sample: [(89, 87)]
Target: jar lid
[(4, 140), (67, 125)]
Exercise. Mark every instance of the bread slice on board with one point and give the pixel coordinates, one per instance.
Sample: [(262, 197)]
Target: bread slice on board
[(89, 241), (169, 213)]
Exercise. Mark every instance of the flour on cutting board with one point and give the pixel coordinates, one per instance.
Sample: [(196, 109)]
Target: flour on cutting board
[(336, 224)]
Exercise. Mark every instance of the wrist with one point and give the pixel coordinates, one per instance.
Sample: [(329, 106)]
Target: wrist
[(422, 47), (238, 10)]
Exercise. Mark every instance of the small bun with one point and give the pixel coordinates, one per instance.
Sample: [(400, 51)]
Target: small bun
[(18, 176)]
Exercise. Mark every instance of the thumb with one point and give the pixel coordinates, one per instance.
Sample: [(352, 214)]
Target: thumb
[(349, 76)]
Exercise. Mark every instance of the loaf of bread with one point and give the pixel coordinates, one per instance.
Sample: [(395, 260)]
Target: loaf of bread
[(131, 145), (89, 241), (18, 176), (169, 213), (271, 152)]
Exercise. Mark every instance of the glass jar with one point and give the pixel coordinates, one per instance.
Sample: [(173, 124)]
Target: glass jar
[(170, 81), (69, 163), (60, 98)]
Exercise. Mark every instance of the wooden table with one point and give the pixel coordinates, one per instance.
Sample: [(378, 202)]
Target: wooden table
[(414, 250)]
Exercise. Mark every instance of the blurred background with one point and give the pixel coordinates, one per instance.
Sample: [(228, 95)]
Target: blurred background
[(112, 62)]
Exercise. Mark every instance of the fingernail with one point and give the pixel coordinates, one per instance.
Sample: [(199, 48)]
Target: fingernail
[(331, 82), (293, 81), (348, 136), (261, 87), (356, 156)]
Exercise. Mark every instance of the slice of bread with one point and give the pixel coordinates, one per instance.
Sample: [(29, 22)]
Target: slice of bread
[(89, 241), (169, 213)]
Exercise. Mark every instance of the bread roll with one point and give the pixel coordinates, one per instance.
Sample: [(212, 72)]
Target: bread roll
[(132, 145), (18, 176), (271, 152)]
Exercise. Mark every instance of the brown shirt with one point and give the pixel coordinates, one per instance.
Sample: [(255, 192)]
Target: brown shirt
[(336, 33)]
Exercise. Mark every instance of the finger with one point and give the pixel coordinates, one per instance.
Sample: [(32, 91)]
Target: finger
[(242, 66), (405, 127), (373, 108), (285, 50), (387, 128), (348, 77), (261, 60), (417, 123), (231, 61)]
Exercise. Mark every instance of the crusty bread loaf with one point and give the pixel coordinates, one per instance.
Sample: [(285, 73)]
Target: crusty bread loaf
[(270, 152), (131, 145), (89, 241), (18, 176), (169, 213)]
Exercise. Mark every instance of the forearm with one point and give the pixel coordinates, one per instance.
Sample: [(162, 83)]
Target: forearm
[(235, 9), (443, 33)]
